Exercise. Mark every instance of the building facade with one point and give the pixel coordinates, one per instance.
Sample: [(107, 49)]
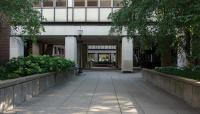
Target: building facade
[(79, 30)]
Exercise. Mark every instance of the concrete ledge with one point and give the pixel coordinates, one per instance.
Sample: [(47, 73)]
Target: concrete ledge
[(183, 88), (16, 91)]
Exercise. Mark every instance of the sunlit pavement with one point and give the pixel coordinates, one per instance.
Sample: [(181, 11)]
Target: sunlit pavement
[(105, 92)]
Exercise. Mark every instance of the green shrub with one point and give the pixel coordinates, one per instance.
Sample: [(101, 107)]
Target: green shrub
[(23, 66), (196, 68), (193, 73)]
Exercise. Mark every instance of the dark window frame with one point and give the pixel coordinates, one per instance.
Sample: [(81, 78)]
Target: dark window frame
[(100, 3), (74, 1), (53, 4), (66, 4)]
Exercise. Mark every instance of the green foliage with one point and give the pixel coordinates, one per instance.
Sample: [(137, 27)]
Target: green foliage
[(21, 13), (160, 22), (182, 72), (23, 66)]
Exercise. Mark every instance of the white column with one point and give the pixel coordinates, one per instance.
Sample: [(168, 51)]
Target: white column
[(127, 55), (71, 48), (181, 58), (16, 47), (181, 54)]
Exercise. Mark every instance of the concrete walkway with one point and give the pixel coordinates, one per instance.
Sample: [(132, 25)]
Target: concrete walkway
[(105, 92)]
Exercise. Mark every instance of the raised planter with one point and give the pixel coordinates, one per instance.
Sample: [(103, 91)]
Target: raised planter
[(16, 91), (186, 89)]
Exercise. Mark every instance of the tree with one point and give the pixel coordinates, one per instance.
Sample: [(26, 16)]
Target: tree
[(20, 13), (160, 22)]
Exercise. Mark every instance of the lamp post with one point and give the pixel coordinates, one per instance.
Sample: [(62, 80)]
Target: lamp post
[(80, 33)]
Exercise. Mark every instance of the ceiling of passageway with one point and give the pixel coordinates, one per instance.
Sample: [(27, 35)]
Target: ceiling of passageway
[(100, 39), (52, 39), (85, 39)]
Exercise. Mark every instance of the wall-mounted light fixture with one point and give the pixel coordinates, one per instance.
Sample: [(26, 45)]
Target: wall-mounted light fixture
[(80, 32)]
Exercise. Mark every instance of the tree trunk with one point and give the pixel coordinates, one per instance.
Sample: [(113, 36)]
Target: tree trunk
[(4, 42), (184, 56), (166, 58), (188, 48), (166, 54)]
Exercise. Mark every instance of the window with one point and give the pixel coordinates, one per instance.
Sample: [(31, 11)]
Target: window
[(79, 2), (104, 57), (92, 57), (60, 3), (105, 3), (92, 2), (48, 3), (117, 3), (37, 4)]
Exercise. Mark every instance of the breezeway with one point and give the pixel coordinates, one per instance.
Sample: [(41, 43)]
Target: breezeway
[(105, 92)]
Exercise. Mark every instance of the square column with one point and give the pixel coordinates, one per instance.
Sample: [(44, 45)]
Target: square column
[(127, 55), (71, 48), (16, 47), (181, 53)]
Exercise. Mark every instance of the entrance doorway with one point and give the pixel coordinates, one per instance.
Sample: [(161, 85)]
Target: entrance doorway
[(102, 56)]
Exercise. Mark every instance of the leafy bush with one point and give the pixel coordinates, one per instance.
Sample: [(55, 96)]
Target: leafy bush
[(23, 66), (196, 68), (193, 73)]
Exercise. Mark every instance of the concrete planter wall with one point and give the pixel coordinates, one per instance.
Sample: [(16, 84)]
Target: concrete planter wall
[(186, 89), (16, 91)]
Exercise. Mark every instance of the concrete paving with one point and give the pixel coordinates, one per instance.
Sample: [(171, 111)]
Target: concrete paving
[(105, 92)]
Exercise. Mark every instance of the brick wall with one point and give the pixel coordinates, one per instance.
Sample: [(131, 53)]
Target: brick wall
[(4, 43)]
